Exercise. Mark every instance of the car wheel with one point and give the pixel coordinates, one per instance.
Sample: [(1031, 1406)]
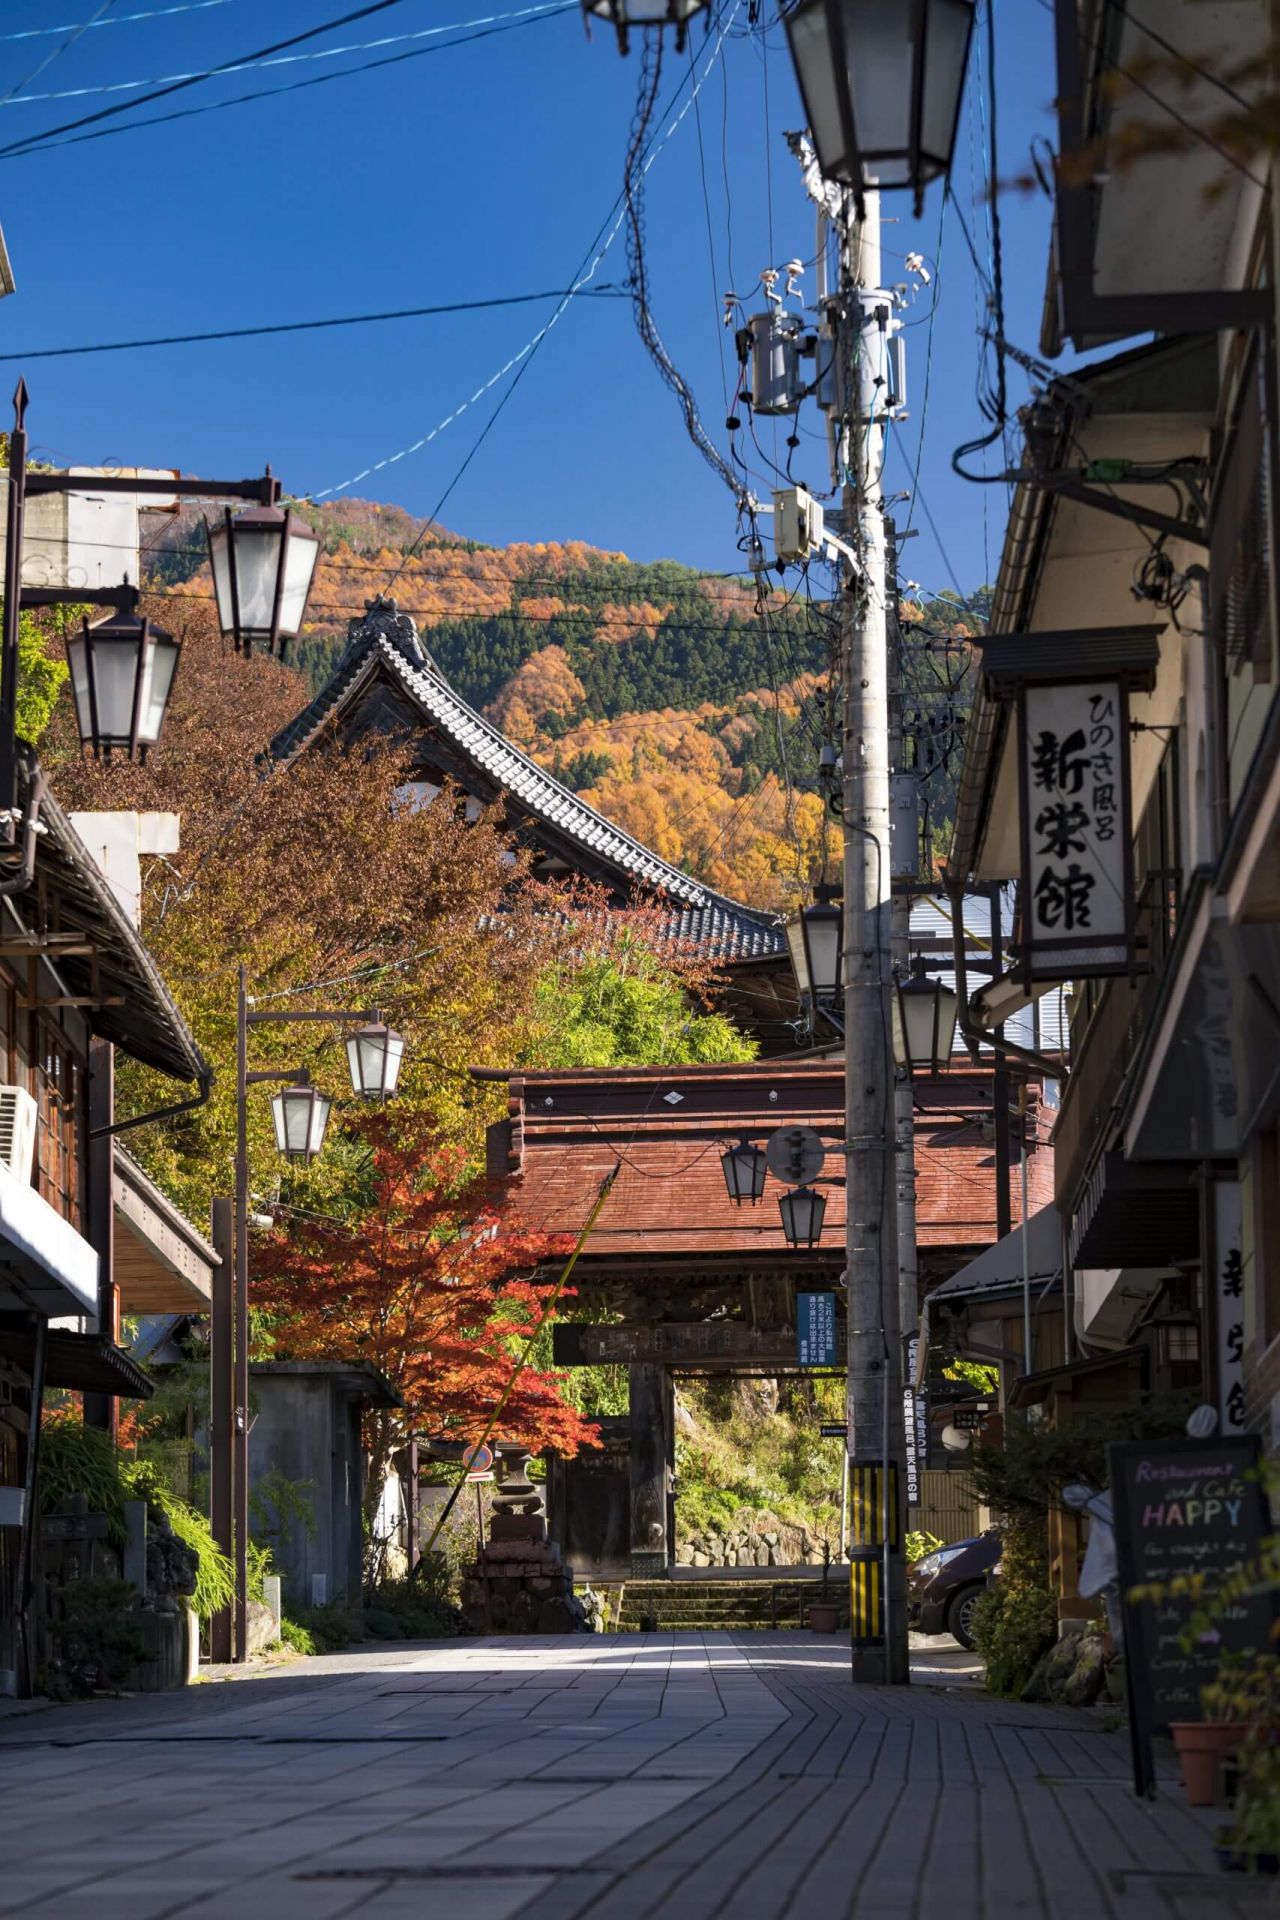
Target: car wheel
[(960, 1615)]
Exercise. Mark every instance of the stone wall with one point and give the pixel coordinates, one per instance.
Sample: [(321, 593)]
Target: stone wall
[(754, 1538)]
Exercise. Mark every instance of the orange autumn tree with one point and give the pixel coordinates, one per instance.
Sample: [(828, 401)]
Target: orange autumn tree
[(425, 1283)]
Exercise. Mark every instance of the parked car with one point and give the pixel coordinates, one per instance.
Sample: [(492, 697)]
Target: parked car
[(943, 1587)]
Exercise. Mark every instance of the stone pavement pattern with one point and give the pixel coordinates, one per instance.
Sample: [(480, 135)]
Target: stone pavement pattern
[(667, 1775)]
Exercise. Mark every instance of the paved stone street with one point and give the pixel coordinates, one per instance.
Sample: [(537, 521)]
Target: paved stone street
[(687, 1774)]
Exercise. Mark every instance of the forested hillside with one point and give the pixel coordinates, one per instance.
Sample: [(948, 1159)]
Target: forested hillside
[(682, 704)]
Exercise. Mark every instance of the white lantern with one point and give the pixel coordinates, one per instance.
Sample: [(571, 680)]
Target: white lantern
[(744, 1168), (924, 1024), (802, 1211), (262, 565), (301, 1115), (121, 674), (625, 14), (373, 1056), (816, 940), (882, 82)]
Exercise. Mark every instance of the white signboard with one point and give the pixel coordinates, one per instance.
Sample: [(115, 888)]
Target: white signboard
[(1075, 830), (1228, 1265), (84, 539)]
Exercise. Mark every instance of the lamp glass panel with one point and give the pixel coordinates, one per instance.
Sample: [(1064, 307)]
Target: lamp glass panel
[(948, 1011), (257, 557), (158, 669), (946, 52), (919, 1013), (114, 667), (646, 13), (220, 564), (78, 661), (319, 1120), (299, 565), (802, 1213), (881, 52), (822, 944), (744, 1171), (810, 39), (799, 958)]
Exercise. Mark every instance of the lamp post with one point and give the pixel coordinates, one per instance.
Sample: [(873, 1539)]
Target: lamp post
[(882, 82), (816, 940), (122, 671), (300, 1114)]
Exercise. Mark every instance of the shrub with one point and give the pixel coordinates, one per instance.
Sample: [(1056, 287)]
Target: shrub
[(918, 1544), (329, 1629), (97, 1635), (1016, 1621), (295, 1636)]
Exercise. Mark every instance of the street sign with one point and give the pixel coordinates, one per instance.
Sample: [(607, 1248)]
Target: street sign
[(477, 1460), (970, 1419), (816, 1329), (834, 1431), (795, 1155)]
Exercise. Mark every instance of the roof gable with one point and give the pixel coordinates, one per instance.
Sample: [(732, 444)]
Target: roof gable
[(384, 646)]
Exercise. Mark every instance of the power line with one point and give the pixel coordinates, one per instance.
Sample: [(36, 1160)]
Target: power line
[(119, 20), (607, 289), (293, 59), (73, 34), (177, 86)]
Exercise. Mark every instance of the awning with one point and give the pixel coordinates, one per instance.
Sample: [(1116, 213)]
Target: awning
[(84, 1362), (1136, 1214), (999, 1268), (160, 1263), (44, 1263)]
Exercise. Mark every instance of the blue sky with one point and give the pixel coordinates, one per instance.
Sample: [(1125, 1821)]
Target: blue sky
[(480, 171)]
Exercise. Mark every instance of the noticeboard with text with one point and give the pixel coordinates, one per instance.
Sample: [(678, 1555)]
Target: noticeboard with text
[(1184, 1510), (816, 1329), (1076, 840)]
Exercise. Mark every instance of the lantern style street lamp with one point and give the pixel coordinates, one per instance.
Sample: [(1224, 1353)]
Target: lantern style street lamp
[(301, 1114), (262, 564), (802, 1211), (816, 940), (924, 1023), (121, 674), (882, 82), (744, 1168), (625, 14), (373, 1057)]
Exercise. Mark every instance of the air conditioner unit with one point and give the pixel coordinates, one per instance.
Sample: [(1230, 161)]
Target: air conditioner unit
[(18, 1116)]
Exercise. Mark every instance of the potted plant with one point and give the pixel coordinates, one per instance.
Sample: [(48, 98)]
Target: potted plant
[(1245, 1698), (1251, 1842), (824, 1614)]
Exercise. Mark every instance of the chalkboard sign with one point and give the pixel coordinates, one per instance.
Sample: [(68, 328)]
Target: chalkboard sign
[(1183, 1507)]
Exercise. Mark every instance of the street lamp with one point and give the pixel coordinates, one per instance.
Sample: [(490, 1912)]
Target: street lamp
[(301, 1114), (881, 82), (744, 1168), (373, 1057), (121, 674), (625, 14), (924, 1023), (802, 1211), (816, 941), (262, 564)]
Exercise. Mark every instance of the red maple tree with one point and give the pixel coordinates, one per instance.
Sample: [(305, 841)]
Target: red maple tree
[(430, 1287)]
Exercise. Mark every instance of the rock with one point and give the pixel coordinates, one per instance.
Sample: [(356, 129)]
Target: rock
[(772, 1557), (762, 1556), (684, 1556), (561, 1615), (700, 1559), (770, 1539), (262, 1626), (1084, 1683), (1050, 1674)]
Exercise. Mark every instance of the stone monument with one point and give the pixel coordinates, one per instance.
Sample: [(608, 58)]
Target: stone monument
[(519, 1583)]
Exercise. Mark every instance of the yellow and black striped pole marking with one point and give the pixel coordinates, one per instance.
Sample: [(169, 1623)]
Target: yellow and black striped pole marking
[(866, 1548)]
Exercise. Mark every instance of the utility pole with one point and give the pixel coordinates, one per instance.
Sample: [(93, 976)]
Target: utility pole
[(875, 1438)]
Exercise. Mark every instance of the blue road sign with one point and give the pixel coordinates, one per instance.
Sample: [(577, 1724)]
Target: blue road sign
[(816, 1329)]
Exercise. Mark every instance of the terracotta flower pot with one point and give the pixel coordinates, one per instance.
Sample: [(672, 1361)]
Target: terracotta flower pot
[(1202, 1745), (824, 1616)]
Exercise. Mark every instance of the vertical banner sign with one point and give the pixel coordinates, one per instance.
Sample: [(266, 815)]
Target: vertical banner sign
[(816, 1329), (910, 1347), (1184, 1508), (1076, 842), (1228, 1264)]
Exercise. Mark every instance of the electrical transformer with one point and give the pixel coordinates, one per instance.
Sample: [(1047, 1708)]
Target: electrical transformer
[(797, 523), (772, 341)]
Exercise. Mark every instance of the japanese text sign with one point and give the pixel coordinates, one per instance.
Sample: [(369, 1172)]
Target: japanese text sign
[(1228, 1262), (1074, 791), (816, 1329)]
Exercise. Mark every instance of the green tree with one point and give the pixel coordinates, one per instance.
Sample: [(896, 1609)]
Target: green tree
[(622, 1009), (41, 675)]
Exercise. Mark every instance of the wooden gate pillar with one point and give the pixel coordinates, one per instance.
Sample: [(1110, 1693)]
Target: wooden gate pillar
[(652, 1460)]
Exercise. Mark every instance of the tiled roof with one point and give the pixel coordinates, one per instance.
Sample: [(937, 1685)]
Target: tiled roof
[(382, 645)]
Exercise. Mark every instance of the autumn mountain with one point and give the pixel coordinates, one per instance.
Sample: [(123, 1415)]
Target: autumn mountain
[(663, 695)]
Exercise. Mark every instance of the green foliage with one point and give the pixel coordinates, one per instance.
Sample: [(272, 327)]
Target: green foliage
[(328, 1629), (734, 1453), (918, 1544), (974, 1373), (621, 1009), (297, 1637), (97, 1635), (1254, 1827), (1246, 1691), (1015, 1621), (1027, 1474), (42, 673)]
